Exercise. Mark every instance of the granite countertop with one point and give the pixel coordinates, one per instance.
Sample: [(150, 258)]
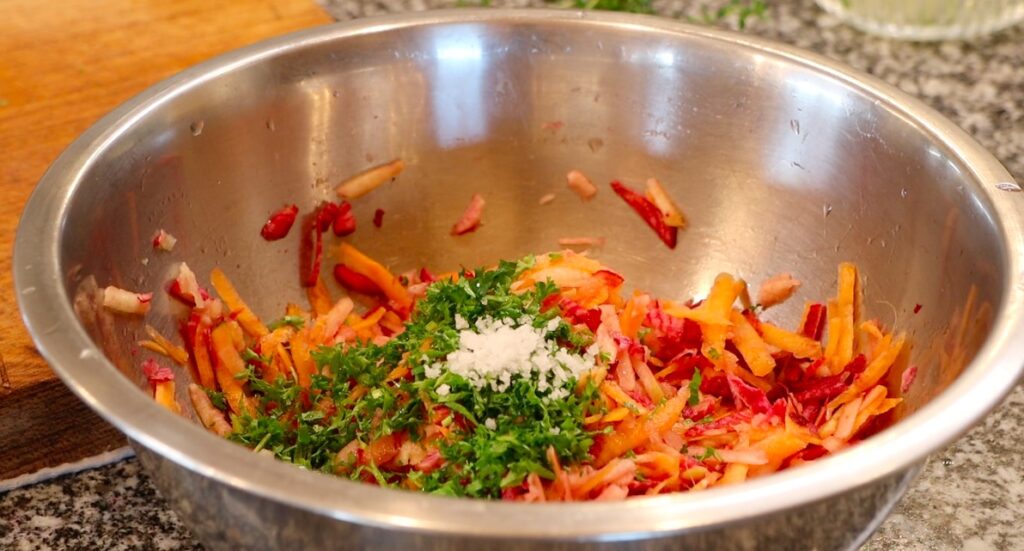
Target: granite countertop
[(969, 496)]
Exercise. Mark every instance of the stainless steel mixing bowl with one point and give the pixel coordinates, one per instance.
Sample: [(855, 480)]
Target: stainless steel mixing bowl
[(781, 159)]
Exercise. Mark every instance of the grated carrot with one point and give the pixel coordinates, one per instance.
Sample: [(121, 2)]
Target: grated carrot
[(243, 315), (171, 350)]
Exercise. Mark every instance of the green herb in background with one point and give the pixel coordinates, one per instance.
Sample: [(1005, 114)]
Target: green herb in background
[(632, 6), (741, 10)]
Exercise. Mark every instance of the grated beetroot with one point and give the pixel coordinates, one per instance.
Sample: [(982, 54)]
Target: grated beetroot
[(814, 325), (354, 280), (715, 386), (156, 373), (430, 463), (748, 395), (726, 422), (279, 223), (907, 379), (856, 365), (577, 314), (312, 250), (822, 389), (344, 221), (326, 214), (649, 212), (671, 336)]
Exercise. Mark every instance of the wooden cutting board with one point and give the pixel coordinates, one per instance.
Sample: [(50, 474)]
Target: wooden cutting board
[(62, 66)]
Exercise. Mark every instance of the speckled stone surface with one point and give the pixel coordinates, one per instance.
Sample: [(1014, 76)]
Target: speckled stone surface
[(113, 507), (969, 496)]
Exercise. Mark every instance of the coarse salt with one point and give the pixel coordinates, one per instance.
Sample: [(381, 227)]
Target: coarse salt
[(495, 352)]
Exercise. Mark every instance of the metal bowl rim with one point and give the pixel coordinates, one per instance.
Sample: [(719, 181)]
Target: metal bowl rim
[(46, 311)]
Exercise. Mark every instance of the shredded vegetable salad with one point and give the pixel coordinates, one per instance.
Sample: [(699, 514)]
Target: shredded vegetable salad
[(541, 379)]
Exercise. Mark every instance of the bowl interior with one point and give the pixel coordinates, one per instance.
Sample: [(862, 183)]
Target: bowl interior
[(779, 166)]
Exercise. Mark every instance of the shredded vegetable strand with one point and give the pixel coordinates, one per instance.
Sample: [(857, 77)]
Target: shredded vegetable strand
[(535, 380)]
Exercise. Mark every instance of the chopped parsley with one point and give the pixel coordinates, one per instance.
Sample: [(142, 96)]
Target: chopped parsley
[(294, 321), (695, 388), (709, 453), (251, 357), (216, 398), (357, 403)]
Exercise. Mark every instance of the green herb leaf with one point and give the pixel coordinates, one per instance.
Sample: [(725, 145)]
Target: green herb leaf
[(216, 398), (709, 453), (251, 357), (295, 321), (695, 387), (301, 426)]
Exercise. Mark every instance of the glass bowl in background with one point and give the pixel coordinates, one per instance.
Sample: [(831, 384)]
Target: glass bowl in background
[(927, 19)]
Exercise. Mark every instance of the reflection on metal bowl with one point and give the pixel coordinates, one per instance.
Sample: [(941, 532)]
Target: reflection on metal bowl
[(783, 161)]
